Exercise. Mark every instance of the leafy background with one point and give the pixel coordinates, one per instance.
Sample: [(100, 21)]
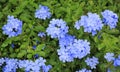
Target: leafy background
[(69, 10)]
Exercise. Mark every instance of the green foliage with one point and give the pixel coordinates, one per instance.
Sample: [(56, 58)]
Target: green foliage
[(68, 10)]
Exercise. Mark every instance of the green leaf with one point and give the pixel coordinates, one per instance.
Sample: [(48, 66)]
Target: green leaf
[(21, 53), (40, 53), (29, 56), (109, 42), (39, 47)]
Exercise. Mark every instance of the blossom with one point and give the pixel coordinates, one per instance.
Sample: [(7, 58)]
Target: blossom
[(92, 62), (13, 27), (82, 48), (43, 12), (34, 47), (41, 34), (76, 49), (11, 65), (57, 28), (108, 70), (30, 66), (36, 56), (91, 23), (109, 57), (46, 68), (84, 70), (13, 45), (65, 55), (110, 18), (117, 61), (2, 60), (66, 40)]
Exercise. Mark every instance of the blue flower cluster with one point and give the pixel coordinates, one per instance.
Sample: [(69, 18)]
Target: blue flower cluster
[(43, 12), (66, 40), (92, 62), (91, 23), (117, 61), (57, 28), (13, 27), (72, 48), (11, 65), (2, 61), (110, 18), (84, 70), (41, 34), (109, 57)]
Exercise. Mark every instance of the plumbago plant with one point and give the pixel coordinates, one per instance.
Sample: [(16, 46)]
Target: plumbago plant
[(59, 36)]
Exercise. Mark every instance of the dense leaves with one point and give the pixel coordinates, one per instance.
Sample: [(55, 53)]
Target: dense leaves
[(106, 40)]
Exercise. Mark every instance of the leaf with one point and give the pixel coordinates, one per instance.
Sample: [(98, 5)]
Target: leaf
[(40, 47), (40, 53), (108, 42), (21, 53), (29, 56)]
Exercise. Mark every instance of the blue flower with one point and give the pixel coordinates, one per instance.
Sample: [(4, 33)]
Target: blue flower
[(57, 28), (11, 65), (34, 47), (117, 61), (108, 70), (84, 70), (32, 66), (12, 45), (76, 49), (41, 34), (35, 66), (92, 62), (110, 18), (2, 60), (91, 23), (65, 55), (109, 57), (66, 41), (13, 27), (46, 68), (82, 48), (36, 56), (43, 12)]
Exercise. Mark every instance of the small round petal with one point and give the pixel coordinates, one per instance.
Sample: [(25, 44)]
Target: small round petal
[(84, 70), (43, 12), (110, 18), (92, 62), (41, 34), (57, 28), (13, 27), (109, 57), (91, 23)]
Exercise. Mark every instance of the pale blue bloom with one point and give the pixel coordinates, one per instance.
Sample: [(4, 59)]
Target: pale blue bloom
[(110, 18), (43, 12), (46, 68), (11, 65), (84, 70), (92, 62), (109, 57), (117, 61), (66, 41), (76, 49), (57, 28), (2, 60), (41, 34), (13, 27), (91, 23)]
